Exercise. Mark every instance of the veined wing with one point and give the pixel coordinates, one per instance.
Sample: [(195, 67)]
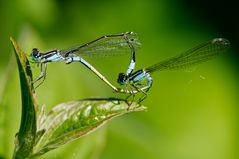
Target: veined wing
[(108, 45), (196, 55)]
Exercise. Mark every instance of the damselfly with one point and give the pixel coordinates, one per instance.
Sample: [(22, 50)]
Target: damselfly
[(108, 45), (196, 55)]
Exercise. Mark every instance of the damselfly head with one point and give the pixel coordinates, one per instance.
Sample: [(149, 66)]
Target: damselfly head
[(122, 79), (35, 54)]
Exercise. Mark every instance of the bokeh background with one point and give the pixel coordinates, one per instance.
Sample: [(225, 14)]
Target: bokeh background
[(192, 114)]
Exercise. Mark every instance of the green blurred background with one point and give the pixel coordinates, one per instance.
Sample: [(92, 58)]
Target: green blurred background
[(192, 114)]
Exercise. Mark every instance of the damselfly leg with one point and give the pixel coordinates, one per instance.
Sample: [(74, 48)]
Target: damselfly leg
[(41, 78)]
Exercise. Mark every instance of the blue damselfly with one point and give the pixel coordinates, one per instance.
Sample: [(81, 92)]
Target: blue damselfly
[(194, 56), (108, 45)]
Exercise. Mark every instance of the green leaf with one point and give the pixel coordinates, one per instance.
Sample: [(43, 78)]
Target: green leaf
[(25, 138), (69, 121)]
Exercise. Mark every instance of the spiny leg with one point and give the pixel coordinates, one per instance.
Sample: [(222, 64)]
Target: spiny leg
[(42, 76), (137, 89), (132, 93), (141, 90), (145, 95)]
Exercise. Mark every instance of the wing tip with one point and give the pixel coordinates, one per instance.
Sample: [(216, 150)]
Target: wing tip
[(221, 41)]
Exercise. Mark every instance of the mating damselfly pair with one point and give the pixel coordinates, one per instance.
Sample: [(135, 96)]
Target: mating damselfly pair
[(117, 44)]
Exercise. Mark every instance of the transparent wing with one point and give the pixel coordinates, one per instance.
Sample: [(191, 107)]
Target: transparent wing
[(109, 45), (196, 55)]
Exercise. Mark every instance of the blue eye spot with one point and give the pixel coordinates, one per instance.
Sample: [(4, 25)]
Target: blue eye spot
[(35, 58)]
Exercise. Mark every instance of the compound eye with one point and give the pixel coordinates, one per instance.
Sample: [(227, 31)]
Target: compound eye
[(35, 52), (121, 78)]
